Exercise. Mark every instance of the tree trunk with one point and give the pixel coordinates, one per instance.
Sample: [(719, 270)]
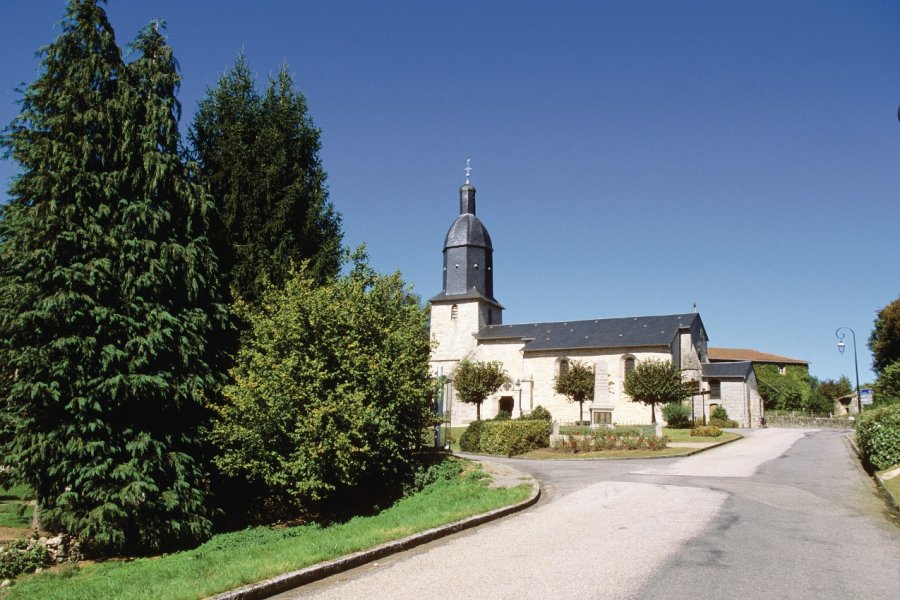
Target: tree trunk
[(653, 413), (36, 515), (580, 412), (478, 411)]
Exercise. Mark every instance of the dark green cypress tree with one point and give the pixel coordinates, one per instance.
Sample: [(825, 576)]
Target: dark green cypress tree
[(260, 158), (110, 296)]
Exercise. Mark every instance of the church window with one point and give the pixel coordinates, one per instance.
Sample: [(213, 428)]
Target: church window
[(454, 312), (563, 367), (629, 365), (715, 389)]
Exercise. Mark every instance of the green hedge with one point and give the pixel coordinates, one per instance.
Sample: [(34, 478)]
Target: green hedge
[(514, 437), (470, 440), (878, 436)]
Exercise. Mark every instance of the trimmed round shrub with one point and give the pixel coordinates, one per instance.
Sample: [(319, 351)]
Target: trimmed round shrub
[(719, 413), (538, 414), (677, 415), (878, 436), (470, 440)]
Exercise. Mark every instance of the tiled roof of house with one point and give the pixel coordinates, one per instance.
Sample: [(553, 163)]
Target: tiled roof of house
[(626, 332), (736, 354)]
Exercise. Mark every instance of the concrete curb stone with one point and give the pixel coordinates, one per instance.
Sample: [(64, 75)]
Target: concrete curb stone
[(293, 579)]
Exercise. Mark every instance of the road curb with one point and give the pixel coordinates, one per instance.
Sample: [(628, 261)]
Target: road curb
[(288, 581)]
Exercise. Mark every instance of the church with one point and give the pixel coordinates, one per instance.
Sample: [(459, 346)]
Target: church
[(467, 322)]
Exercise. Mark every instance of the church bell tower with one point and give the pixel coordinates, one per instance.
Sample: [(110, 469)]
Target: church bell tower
[(467, 303)]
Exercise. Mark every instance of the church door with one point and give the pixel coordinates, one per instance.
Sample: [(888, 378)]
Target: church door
[(506, 403)]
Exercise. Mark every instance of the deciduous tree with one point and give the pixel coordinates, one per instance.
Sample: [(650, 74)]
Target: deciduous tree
[(577, 384), (655, 382), (476, 380), (885, 339), (331, 389)]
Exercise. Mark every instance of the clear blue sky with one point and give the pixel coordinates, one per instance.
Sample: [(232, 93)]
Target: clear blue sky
[(631, 158)]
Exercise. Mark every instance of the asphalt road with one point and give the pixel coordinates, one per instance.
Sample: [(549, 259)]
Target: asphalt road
[(781, 514)]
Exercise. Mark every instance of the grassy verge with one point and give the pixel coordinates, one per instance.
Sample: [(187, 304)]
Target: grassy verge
[(234, 559), (684, 435), (892, 486), (12, 500)]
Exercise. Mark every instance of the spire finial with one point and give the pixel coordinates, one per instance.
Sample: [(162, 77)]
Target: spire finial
[(468, 169)]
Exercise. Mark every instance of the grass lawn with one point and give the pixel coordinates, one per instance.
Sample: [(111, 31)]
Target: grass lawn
[(234, 559), (11, 500)]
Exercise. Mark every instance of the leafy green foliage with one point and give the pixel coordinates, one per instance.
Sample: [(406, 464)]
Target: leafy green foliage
[(476, 380), (720, 413), (540, 413), (887, 388), (470, 440), (677, 415), (878, 436), (331, 389), (606, 439), (108, 297), (788, 391), (259, 155), (656, 382), (884, 342), (22, 556), (706, 431), (510, 438), (576, 383)]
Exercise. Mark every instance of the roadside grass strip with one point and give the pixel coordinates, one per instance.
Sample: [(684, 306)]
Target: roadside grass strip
[(231, 560)]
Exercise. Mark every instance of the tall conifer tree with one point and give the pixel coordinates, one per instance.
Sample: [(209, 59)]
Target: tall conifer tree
[(110, 296), (260, 158)]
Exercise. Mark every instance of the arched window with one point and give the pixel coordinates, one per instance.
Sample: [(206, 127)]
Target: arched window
[(562, 367), (715, 389), (454, 312), (629, 366)]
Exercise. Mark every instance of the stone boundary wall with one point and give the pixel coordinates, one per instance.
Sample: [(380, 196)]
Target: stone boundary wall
[(808, 422)]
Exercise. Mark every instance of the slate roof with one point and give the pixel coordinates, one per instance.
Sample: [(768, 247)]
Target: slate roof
[(739, 369), (626, 332), (733, 354), (468, 230)]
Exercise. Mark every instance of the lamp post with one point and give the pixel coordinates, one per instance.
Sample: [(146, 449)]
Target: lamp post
[(841, 346), (518, 388)]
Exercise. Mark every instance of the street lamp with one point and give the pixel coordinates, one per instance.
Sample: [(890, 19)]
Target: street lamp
[(841, 346), (518, 388)]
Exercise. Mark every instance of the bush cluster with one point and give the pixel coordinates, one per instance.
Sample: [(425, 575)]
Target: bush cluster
[(706, 431), (722, 423), (677, 415), (511, 438), (470, 440), (539, 413), (878, 436), (22, 556), (505, 436), (610, 440)]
